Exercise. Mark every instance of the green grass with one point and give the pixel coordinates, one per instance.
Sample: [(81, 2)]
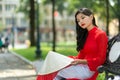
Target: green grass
[(30, 53), (62, 48)]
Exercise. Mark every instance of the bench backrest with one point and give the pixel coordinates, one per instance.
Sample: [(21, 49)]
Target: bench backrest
[(113, 53)]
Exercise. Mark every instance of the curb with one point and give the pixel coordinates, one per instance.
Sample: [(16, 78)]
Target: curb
[(19, 56), (24, 59)]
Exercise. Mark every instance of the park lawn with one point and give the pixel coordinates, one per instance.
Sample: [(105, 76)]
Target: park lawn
[(29, 53)]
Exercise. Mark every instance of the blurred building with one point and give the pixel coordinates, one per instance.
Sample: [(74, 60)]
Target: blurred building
[(8, 13), (65, 27), (12, 23)]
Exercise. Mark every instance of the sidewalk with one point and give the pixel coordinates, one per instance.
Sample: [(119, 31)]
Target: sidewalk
[(13, 67), (36, 64)]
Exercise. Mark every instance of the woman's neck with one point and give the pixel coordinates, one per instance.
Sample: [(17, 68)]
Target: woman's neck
[(90, 27)]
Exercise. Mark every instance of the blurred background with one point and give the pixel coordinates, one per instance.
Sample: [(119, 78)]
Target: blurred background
[(31, 22)]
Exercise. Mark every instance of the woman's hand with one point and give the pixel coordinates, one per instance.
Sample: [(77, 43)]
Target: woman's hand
[(79, 61)]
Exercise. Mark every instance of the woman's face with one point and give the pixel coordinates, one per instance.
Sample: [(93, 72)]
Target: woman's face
[(84, 21)]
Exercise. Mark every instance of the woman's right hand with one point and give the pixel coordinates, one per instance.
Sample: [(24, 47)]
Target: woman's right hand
[(79, 61), (75, 62)]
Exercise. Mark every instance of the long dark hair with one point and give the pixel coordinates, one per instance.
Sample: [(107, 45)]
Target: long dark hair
[(82, 33)]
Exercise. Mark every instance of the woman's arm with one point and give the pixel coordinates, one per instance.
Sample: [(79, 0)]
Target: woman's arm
[(102, 41)]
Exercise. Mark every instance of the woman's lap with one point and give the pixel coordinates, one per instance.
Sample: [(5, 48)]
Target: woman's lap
[(77, 71)]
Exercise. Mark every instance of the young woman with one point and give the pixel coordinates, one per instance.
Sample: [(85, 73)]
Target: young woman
[(91, 47)]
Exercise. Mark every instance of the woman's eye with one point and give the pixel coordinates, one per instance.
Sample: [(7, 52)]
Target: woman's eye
[(83, 17)]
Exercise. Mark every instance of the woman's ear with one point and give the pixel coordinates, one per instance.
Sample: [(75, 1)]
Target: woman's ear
[(91, 16)]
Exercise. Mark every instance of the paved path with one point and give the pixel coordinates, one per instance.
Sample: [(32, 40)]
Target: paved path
[(14, 68)]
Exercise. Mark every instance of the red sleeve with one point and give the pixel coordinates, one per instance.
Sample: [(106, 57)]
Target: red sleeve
[(102, 41), (80, 55), (75, 57)]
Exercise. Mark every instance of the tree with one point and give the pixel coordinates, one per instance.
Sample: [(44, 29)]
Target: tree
[(32, 22), (116, 9), (59, 6), (54, 28), (27, 7), (107, 17)]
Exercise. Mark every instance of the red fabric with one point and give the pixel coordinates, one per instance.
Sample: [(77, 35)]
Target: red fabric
[(95, 48), (47, 76)]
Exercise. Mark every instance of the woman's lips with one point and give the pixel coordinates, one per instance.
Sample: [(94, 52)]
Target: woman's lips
[(82, 24)]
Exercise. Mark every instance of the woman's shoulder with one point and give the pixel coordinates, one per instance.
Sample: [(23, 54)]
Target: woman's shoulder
[(100, 32)]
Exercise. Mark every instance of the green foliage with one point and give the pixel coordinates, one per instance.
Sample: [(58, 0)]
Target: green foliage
[(115, 8), (59, 4), (98, 6), (24, 7), (72, 5), (91, 4), (46, 1)]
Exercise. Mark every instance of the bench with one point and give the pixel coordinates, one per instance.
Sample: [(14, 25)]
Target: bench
[(111, 67)]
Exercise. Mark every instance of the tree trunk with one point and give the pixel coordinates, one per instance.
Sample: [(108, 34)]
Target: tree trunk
[(107, 17), (119, 24), (32, 23), (118, 8), (53, 23)]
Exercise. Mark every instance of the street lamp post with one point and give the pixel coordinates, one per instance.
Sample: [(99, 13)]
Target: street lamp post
[(13, 31), (38, 51), (13, 27)]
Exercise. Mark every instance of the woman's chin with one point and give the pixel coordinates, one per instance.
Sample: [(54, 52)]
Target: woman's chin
[(83, 27)]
